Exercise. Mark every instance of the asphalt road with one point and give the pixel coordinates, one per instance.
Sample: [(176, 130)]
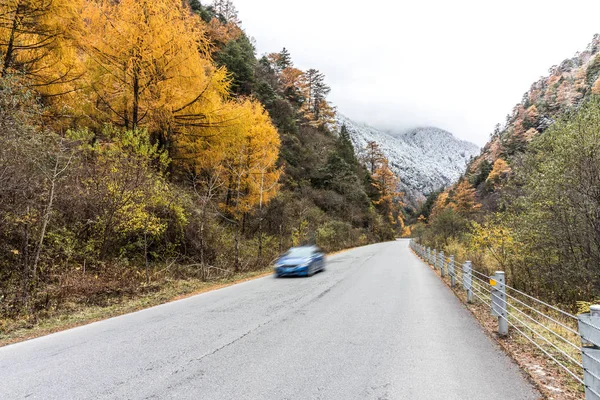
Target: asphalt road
[(377, 324)]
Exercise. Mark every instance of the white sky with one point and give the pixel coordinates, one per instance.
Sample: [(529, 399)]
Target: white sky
[(455, 64)]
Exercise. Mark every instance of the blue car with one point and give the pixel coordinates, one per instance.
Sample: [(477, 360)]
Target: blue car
[(300, 261)]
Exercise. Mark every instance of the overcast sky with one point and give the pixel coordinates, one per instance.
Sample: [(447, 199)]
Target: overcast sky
[(458, 65)]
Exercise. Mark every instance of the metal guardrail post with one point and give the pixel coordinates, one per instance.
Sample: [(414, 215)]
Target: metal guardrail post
[(451, 272), (442, 262), (467, 279), (590, 340), (498, 300), (428, 255), (434, 259)]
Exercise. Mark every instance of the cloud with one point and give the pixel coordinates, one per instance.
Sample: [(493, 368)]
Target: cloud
[(458, 65)]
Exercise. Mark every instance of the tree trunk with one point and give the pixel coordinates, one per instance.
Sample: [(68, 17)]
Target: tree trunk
[(280, 238), (8, 57), (260, 240), (136, 98), (46, 219), (237, 250), (25, 257), (146, 256)]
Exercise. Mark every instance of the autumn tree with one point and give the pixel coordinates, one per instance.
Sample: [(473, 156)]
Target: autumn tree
[(499, 171), (440, 202), (250, 165), (36, 40), (372, 156), (389, 198), (280, 61), (294, 85), (149, 66), (463, 198)]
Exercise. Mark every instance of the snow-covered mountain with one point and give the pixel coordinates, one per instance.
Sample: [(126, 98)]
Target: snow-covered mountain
[(425, 159)]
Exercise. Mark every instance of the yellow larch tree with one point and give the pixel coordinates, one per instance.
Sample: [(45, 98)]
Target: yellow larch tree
[(499, 171), (463, 198), (251, 165), (372, 156), (220, 33), (389, 198), (149, 66), (37, 41), (439, 205)]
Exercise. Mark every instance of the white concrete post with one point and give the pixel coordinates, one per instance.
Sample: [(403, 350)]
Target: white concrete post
[(451, 272), (442, 262), (590, 350), (467, 268), (498, 299)]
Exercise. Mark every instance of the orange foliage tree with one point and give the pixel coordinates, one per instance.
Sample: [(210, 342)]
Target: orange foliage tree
[(463, 198)]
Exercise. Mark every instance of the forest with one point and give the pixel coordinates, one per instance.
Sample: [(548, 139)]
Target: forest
[(529, 205), (145, 142)]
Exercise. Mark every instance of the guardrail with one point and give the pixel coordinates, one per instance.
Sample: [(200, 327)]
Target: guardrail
[(572, 342)]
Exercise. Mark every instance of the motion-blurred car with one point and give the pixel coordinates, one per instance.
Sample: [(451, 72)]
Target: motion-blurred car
[(300, 261)]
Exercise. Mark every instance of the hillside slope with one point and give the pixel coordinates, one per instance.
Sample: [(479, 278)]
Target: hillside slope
[(566, 87), (529, 203), (426, 159)]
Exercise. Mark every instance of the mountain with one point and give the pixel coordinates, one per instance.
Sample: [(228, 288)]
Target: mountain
[(567, 86), (425, 159)]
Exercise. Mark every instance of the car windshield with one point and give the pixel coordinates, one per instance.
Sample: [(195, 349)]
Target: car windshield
[(299, 252)]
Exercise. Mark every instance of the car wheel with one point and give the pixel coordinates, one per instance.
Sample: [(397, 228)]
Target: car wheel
[(311, 271)]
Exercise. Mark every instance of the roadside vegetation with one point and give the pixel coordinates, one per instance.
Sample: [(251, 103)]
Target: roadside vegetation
[(144, 148), (544, 230), (528, 205)]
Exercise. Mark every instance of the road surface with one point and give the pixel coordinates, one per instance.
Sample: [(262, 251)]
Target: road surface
[(377, 324)]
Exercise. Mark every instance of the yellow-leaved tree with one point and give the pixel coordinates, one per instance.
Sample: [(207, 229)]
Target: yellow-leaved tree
[(499, 172), (149, 66), (463, 199), (250, 166), (386, 182), (497, 240), (36, 40)]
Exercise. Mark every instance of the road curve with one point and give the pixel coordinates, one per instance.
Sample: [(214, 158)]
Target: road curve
[(377, 324)]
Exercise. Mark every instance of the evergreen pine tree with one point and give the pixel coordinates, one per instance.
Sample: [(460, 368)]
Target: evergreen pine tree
[(317, 92), (285, 60), (345, 148)]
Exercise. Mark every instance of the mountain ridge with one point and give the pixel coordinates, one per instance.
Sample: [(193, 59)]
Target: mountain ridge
[(426, 159)]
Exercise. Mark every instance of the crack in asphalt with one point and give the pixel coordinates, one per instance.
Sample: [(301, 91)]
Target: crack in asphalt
[(231, 342)]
